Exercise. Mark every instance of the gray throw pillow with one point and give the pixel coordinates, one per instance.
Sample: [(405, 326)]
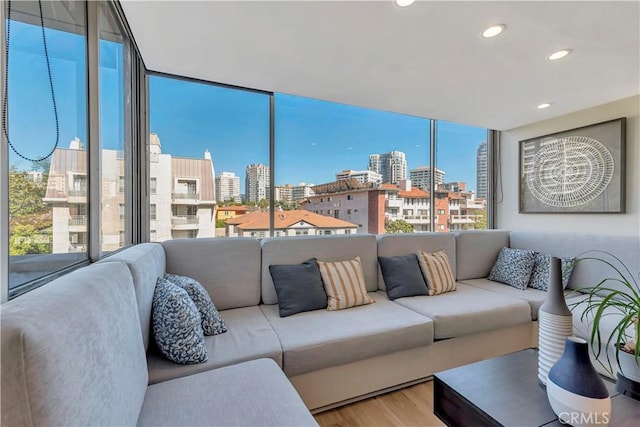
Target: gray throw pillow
[(540, 274), (176, 324), (212, 321), (299, 287), (513, 267), (402, 276)]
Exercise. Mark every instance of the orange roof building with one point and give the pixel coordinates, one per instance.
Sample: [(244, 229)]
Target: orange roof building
[(287, 223)]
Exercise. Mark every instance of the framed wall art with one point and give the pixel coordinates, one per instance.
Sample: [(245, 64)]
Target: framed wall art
[(576, 171)]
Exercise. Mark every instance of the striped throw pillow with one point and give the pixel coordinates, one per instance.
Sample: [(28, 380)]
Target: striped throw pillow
[(437, 272), (344, 284)]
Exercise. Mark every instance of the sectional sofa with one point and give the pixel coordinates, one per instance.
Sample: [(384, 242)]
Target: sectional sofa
[(80, 349)]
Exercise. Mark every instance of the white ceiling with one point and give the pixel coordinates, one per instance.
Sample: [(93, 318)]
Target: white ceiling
[(426, 60)]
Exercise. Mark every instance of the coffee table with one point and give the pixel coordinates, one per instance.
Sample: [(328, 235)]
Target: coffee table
[(504, 391)]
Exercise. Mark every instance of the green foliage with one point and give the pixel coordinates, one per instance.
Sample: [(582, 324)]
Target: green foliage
[(602, 300), (480, 220), (29, 216), (221, 223), (26, 239), (397, 226)]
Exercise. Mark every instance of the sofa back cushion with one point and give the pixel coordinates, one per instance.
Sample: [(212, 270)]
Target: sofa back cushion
[(229, 269), (72, 352), (403, 244), (586, 273), (477, 251), (292, 250), (146, 262)]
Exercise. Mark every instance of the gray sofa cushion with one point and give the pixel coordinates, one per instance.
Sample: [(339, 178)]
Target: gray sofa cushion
[(477, 251), (586, 273), (254, 393), (177, 327), (392, 245), (402, 276), (72, 352), (513, 267), (147, 263), (249, 337), (321, 339), (285, 250), (534, 297), (468, 310), (299, 287), (212, 322), (229, 269)]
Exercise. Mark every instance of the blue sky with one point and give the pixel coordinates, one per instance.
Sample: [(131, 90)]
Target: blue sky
[(314, 139)]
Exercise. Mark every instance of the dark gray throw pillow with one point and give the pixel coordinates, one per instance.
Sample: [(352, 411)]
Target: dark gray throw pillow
[(513, 267), (402, 276), (212, 321), (540, 275), (299, 287), (176, 324)]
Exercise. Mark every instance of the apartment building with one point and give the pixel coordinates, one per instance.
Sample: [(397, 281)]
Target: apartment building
[(421, 177), (482, 157), (287, 223), (257, 182), (228, 187), (365, 177), (391, 166)]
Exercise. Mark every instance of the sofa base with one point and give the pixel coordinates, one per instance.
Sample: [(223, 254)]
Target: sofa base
[(340, 385)]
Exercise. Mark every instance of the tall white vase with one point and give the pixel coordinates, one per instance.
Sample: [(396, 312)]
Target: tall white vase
[(555, 322)]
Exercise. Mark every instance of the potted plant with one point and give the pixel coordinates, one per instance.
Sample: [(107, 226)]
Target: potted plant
[(620, 302)]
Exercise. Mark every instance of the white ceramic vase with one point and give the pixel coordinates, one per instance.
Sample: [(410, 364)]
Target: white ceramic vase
[(555, 322)]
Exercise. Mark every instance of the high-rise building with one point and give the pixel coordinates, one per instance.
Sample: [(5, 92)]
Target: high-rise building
[(482, 171), (392, 166), (421, 177), (364, 177), (257, 182), (228, 187), (301, 191)]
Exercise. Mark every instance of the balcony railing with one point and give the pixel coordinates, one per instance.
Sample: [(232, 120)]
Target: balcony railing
[(416, 219), (78, 193), (473, 205), (184, 220), (185, 196), (77, 247), (462, 219), (78, 220)]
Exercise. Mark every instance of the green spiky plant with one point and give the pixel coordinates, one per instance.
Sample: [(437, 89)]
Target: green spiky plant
[(603, 300)]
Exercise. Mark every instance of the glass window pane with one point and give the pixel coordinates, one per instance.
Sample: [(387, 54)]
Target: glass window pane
[(344, 170), (461, 156), (47, 199), (115, 113), (209, 154)]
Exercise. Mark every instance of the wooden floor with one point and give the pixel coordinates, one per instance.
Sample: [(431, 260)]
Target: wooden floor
[(411, 406)]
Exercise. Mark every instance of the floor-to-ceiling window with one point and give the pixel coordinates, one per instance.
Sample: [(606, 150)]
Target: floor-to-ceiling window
[(342, 169), (46, 125), (209, 159), (462, 177)]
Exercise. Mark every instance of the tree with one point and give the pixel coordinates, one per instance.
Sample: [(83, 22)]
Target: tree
[(26, 196), (480, 220), (397, 226), (221, 223), (26, 239)]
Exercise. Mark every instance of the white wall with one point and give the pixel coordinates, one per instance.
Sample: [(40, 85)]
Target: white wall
[(507, 215)]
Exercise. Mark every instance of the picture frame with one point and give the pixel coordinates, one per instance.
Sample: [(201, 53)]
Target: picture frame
[(580, 170)]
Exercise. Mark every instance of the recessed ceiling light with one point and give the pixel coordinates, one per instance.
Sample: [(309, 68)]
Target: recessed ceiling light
[(493, 31), (559, 54), (404, 3), (545, 105)]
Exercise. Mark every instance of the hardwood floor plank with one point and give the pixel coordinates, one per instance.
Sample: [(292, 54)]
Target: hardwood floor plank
[(411, 406)]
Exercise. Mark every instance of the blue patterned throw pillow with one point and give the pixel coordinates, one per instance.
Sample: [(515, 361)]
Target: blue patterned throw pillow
[(176, 324), (212, 322), (513, 267), (540, 274)]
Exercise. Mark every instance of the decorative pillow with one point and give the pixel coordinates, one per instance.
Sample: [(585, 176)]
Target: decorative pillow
[(513, 267), (402, 276), (299, 287), (344, 284), (540, 274), (212, 322), (436, 270), (176, 324)]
